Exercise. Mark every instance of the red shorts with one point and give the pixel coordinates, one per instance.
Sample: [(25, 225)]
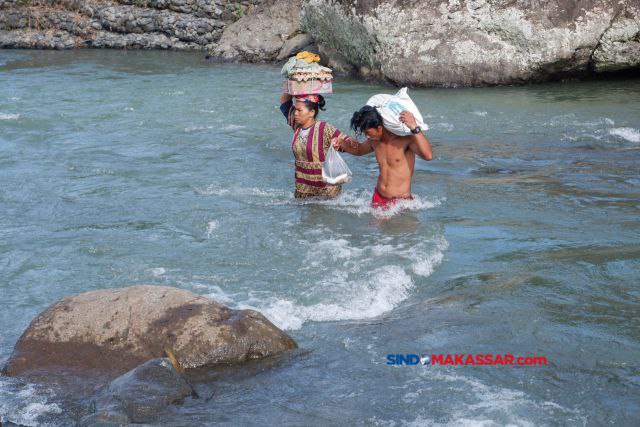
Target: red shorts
[(384, 203)]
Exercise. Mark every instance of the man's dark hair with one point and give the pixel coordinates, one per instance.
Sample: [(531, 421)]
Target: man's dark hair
[(365, 118), (315, 106)]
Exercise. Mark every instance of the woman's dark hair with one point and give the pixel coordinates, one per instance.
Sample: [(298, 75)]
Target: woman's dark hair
[(315, 106), (366, 118)]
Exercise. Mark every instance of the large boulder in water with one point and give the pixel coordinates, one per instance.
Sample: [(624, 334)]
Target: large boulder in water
[(477, 42), (118, 329), (271, 32)]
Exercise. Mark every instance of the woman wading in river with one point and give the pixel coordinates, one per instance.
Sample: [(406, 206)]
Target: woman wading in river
[(311, 140)]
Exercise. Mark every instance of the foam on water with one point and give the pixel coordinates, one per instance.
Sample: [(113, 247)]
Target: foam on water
[(424, 264), (630, 134), (173, 93), (158, 271), (447, 127), (360, 281), (244, 192), (211, 228), (24, 404), (599, 129), (190, 129), (380, 291), (359, 203), (231, 127), (479, 404), (9, 116)]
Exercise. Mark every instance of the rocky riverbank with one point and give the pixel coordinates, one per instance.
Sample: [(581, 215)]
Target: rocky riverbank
[(478, 42), (420, 43), (124, 24)]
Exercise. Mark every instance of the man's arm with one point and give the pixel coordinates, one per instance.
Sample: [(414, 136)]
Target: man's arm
[(421, 146), (419, 143), (351, 146)]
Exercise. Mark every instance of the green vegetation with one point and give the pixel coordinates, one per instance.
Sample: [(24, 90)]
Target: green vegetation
[(239, 11)]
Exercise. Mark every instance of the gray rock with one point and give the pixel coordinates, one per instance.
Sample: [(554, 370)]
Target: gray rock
[(418, 43), (294, 45), (133, 20), (218, 9), (619, 46), (194, 24), (340, 65), (25, 39), (140, 394), (117, 329), (260, 36), (477, 42)]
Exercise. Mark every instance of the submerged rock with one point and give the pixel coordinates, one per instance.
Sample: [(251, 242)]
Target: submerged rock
[(139, 395), (118, 329), (478, 42)]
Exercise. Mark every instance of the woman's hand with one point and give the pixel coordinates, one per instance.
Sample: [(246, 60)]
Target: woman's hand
[(285, 97), (407, 118)]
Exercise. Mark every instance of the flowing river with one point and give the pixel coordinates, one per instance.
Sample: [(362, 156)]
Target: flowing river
[(121, 168)]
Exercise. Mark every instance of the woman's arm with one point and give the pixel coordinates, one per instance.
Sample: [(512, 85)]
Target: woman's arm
[(285, 97), (286, 102)]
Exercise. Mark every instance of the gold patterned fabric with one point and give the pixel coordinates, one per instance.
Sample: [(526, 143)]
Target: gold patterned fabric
[(309, 153)]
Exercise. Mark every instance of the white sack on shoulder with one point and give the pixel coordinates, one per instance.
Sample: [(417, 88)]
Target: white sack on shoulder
[(390, 107)]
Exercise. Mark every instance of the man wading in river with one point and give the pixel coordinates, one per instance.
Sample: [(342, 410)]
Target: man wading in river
[(396, 155)]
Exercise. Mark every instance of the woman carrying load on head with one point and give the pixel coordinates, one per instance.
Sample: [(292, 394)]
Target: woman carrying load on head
[(311, 141)]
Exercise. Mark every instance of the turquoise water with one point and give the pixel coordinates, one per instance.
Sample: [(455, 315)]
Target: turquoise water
[(122, 168)]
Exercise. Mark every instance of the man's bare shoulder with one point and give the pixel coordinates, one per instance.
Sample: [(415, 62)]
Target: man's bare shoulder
[(400, 140)]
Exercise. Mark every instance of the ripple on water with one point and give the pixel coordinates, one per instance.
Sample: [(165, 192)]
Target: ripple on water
[(474, 403)]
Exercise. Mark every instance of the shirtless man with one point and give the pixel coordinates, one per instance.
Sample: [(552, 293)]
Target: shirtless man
[(396, 155)]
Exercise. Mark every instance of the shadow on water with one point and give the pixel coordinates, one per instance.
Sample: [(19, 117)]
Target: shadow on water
[(571, 254), (473, 290), (121, 61), (617, 310)]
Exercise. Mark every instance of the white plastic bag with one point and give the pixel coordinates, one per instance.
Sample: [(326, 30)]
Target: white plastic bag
[(334, 169), (390, 107)]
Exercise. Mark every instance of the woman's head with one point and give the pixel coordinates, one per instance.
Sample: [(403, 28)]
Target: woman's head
[(307, 108)]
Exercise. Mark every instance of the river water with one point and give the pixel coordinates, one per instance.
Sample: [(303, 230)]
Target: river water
[(122, 168)]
